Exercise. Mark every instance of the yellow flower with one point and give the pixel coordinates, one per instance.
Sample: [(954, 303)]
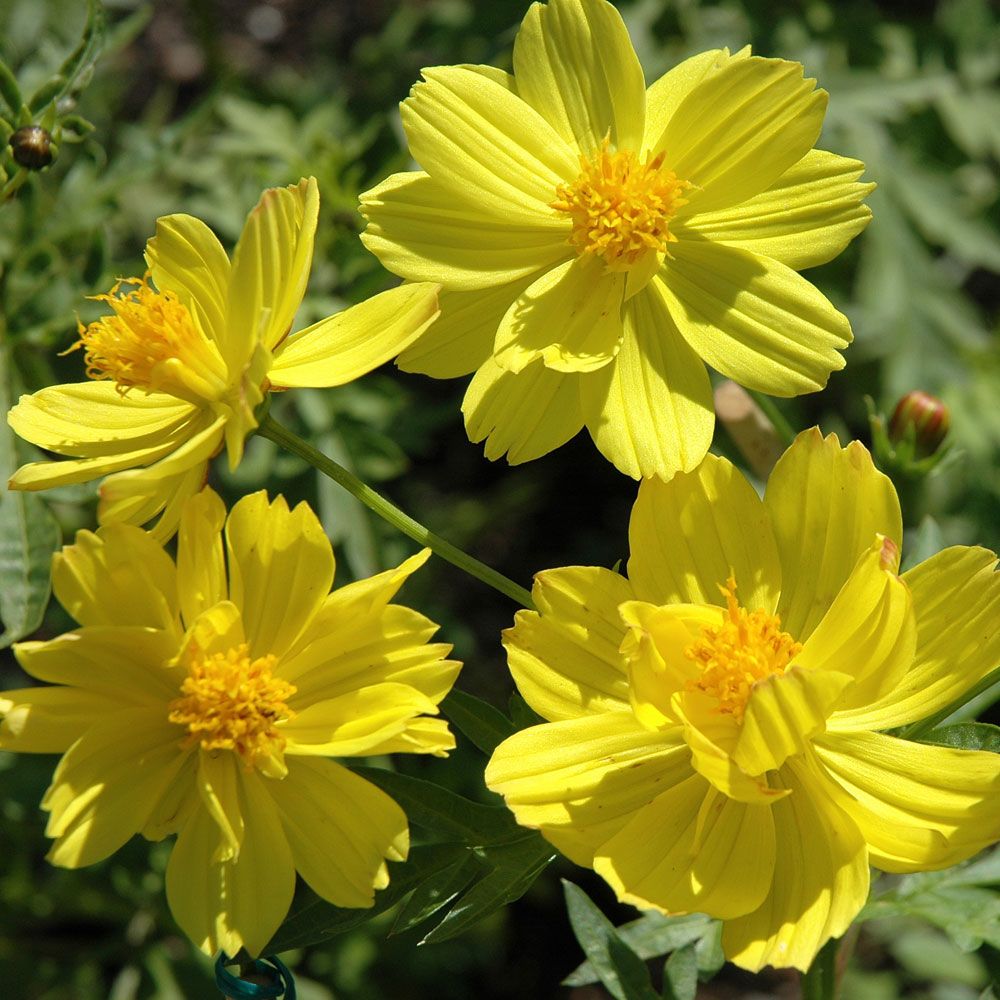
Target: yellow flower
[(715, 740), (597, 240), (179, 367), (200, 699)]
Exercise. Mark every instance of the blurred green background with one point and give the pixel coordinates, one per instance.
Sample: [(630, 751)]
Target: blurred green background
[(197, 107)]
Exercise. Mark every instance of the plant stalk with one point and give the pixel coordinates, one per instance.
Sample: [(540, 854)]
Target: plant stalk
[(281, 435)]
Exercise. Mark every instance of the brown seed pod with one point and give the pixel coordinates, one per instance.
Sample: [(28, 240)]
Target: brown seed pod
[(32, 147)]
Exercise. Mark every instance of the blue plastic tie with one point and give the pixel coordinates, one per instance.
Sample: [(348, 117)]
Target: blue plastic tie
[(282, 984)]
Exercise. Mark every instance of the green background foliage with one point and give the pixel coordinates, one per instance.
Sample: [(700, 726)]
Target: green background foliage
[(197, 107)]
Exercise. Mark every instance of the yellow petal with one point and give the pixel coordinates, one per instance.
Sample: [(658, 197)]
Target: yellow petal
[(650, 412), (49, 719), (186, 258), (665, 95), (232, 904), (826, 503), (784, 713), (107, 784), (92, 419), (118, 576), (868, 633), (126, 664), (820, 881), (806, 217), (692, 849), (423, 231), (134, 496), (920, 807), (580, 780), (524, 415), (753, 319), (574, 64), (956, 602), (201, 567), (353, 724), (270, 270), (461, 338), (346, 346), (472, 134), (421, 735), (654, 649), (565, 657), (341, 829), (687, 536), (740, 129), (571, 318), (218, 786), (280, 569)]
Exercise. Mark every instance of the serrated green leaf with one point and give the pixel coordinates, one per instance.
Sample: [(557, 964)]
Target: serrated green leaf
[(655, 934), (313, 919), (483, 725), (443, 812), (680, 974), (966, 736), (514, 868), (437, 892), (619, 968)]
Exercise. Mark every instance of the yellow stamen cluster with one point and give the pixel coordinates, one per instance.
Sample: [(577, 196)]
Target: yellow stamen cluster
[(231, 702), (621, 208), (747, 647), (148, 328)]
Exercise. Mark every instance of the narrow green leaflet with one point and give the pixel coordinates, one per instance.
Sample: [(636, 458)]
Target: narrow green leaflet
[(75, 71), (482, 724), (962, 901), (923, 543), (622, 972), (29, 535), (966, 736), (312, 919), (680, 974), (655, 934), (437, 892)]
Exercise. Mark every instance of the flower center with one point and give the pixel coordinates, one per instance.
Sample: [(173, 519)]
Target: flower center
[(151, 343), (230, 702), (621, 208), (747, 647)]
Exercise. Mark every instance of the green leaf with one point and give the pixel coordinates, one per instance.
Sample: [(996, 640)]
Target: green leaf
[(680, 974), (313, 919), (445, 813), (437, 892), (923, 543), (522, 714), (960, 900), (75, 71), (966, 736), (479, 722), (513, 867), (29, 534), (619, 968), (655, 934), (9, 90)]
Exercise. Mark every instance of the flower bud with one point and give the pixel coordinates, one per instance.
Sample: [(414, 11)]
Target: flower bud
[(32, 147), (928, 417)]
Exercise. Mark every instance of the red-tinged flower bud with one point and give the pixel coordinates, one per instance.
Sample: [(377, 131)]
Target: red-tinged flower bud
[(927, 415), (32, 147)]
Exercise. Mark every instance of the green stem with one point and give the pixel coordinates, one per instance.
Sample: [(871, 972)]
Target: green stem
[(778, 420), (917, 729), (280, 435), (820, 982)]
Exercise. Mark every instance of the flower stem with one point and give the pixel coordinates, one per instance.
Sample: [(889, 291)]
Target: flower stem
[(280, 435), (820, 982), (779, 421)]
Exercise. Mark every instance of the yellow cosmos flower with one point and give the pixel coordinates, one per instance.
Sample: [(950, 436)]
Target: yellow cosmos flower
[(200, 699), (190, 350), (598, 240), (715, 740)]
